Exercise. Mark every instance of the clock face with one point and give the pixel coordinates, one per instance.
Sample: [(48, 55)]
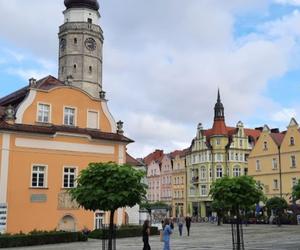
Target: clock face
[(62, 43), (90, 44)]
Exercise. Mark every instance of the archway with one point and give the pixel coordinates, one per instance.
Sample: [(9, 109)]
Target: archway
[(67, 223)]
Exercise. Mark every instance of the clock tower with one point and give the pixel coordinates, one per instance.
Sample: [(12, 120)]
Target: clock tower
[(80, 46)]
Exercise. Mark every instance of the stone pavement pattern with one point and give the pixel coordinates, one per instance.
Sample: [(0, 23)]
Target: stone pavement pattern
[(203, 236)]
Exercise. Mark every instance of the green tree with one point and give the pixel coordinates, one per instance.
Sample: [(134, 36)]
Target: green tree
[(220, 208), (109, 186), (236, 194), (278, 205), (296, 192)]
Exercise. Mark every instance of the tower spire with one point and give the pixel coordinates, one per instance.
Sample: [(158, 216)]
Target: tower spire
[(219, 108)]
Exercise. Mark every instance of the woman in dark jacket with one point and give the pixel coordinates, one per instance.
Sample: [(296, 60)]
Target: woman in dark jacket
[(146, 233)]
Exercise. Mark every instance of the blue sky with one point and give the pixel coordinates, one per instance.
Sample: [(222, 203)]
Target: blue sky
[(164, 60)]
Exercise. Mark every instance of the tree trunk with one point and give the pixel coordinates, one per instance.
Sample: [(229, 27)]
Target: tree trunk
[(219, 219), (111, 229), (238, 236)]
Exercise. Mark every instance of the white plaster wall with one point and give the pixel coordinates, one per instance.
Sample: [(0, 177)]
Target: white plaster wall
[(133, 214), (81, 15)]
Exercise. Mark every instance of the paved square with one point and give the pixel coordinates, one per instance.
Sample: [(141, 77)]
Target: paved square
[(203, 236)]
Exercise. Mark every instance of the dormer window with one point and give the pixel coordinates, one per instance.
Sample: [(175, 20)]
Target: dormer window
[(292, 141)]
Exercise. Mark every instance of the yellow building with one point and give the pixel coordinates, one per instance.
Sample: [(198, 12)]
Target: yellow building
[(179, 183), (53, 128), (274, 161), (214, 153)]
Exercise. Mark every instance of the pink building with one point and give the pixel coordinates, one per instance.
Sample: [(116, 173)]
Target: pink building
[(153, 164), (166, 179)]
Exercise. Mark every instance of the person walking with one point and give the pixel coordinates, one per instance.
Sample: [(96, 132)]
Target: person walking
[(146, 233), (180, 225), (188, 221), (166, 234)]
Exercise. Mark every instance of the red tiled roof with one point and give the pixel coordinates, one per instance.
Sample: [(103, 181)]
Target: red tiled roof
[(49, 82), (131, 161), (18, 96), (277, 137), (219, 128), (157, 155), (53, 129)]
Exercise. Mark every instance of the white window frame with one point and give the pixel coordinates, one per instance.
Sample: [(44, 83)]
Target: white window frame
[(38, 110), (203, 173), (294, 181), (97, 219), (63, 177), (87, 118), (75, 116), (257, 165), (218, 172), (203, 189), (293, 161), (274, 164), (45, 175), (275, 184), (236, 171)]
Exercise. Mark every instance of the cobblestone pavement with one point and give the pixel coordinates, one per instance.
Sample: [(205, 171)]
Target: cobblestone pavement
[(203, 236)]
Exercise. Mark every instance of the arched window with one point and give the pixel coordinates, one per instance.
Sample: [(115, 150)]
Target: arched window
[(265, 145), (236, 171), (74, 68), (75, 40), (219, 172)]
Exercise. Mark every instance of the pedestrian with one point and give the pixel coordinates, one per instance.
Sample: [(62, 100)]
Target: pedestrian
[(188, 221), (166, 234), (171, 223), (146, 233), (180, 225)]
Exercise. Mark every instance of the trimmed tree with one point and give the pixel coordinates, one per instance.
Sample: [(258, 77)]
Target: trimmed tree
[(236, 194), (296, 192), (278, 205), (109, 186)]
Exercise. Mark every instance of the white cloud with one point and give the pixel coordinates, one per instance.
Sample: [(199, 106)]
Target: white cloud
[(288, 2), (27, 73), (284, 115), (164, 60)]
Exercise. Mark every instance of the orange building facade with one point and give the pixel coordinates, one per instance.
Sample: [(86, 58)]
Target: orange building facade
[(49, 131)]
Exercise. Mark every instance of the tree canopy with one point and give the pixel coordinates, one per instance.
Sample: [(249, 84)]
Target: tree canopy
[(109, 186), (296, 191), (236, 193), (277, 204)]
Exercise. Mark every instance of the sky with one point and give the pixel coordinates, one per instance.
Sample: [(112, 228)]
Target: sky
[(165, 60)]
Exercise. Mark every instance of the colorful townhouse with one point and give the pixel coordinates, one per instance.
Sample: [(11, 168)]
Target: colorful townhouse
[(166, 180), (153, 165), (214, 153), (275, 160), (53, 128), (179, 183)]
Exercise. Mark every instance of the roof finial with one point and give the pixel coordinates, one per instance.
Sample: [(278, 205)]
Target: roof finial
[(219, 98)]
